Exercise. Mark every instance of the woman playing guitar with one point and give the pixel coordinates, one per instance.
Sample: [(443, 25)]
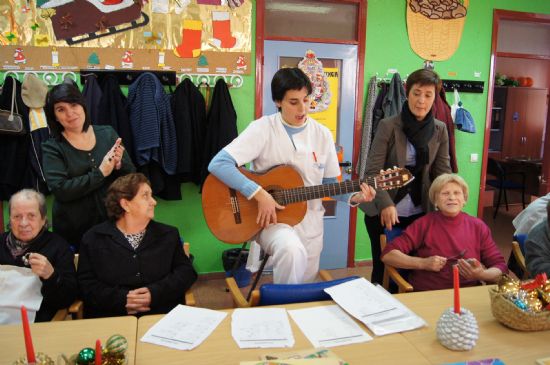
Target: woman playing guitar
[(288, 137)]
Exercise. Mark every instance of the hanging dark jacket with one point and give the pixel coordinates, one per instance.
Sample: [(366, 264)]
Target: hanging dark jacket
[(152, 123), (92, 95), (15, 168), (442, 111), (112, 111), (221, 125), (189, 111)]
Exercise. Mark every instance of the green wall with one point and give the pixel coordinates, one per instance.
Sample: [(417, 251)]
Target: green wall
[(387, 47)]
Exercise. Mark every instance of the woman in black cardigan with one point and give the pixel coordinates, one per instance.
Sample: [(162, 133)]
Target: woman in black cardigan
[(131, 264), (30, 244)]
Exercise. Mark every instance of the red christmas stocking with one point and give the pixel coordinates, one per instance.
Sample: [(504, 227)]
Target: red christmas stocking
[(221, 27), (190, 39)]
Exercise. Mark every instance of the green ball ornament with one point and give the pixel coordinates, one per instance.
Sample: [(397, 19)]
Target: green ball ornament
[(86, 355), (116, 344)]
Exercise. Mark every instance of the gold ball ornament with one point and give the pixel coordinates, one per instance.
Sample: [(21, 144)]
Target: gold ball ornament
[(533, 304), (508, 285)]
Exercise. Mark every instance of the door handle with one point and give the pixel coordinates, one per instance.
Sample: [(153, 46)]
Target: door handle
[(347, 167)]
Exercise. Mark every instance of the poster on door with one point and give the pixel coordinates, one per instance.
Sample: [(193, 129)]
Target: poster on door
[(329, 116)]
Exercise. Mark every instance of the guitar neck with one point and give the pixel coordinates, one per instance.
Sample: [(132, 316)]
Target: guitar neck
[(295, 195)]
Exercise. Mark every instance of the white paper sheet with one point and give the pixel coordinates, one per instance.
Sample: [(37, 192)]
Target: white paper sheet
[(381, 312), (184, 328), (261, 328), (328, 326), (18, 286)]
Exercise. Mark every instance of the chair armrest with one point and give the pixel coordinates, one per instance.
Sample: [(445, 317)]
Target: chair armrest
[(77, 309), (402, 284), (60, 315), (190, 298), (325, 275), (238, 298)]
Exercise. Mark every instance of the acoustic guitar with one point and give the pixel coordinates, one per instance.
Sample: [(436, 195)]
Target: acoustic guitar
[(232, 218)]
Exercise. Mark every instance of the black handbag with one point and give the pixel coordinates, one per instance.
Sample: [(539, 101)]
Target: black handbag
[(12, 122)]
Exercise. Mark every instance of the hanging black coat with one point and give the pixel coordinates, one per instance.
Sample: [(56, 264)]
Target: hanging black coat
[(112, 111), (92, 95), (189, 109), (221, 125), (15, 168)]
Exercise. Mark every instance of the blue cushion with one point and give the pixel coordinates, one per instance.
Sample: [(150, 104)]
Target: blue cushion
[(521, 240), (393, 233), (271, 294)]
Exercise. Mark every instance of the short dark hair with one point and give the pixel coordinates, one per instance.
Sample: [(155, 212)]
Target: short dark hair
[(423, 77), (125, 187), (67, 93), (290, 78)]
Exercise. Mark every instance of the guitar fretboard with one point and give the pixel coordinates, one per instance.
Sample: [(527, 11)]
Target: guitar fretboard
[(294, 195)]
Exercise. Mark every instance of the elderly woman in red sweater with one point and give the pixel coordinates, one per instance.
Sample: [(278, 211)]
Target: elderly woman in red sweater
[(437, 241)]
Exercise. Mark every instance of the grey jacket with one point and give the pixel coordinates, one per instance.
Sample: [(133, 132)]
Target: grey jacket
[(389, 149), (537, 249)]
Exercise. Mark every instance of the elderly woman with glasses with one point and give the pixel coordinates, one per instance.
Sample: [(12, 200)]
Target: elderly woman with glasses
[(446, 237), (131, 264), (30, 244)]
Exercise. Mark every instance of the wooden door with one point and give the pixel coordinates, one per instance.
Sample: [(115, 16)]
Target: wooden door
[(525, 121), (536, 108), (512, 143)]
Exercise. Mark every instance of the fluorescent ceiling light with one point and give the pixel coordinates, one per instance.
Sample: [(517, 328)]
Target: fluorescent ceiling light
[(297, 8)]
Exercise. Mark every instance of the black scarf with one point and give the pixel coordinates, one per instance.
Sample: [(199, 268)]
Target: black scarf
[(418, 133), (19, 248)]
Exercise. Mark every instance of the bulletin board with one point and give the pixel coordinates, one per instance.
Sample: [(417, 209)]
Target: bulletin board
[(186, 36)]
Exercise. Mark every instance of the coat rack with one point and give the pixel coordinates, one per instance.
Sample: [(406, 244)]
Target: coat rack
[(56, 77), (126, 77), (464, 86)]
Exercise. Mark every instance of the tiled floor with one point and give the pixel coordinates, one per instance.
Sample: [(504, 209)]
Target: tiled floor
[(210, 290)]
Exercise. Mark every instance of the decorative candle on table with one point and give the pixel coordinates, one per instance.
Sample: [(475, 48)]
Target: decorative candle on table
[(31, 359), (457, 327), (97, 352), (456, 286)]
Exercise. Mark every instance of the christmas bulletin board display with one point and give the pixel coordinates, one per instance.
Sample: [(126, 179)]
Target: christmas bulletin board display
[(186, 36), (435, 27)]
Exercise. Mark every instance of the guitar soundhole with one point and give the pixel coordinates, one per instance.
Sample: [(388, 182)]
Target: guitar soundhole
[(278, 196)]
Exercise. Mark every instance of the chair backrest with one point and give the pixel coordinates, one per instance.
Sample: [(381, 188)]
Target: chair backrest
[(495, 168), (518, 251), (271, 294), (398, 276)]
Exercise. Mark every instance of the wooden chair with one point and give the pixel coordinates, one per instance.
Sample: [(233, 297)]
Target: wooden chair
[(76, 310), (391, 272), (272, 294), (518, 249)]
